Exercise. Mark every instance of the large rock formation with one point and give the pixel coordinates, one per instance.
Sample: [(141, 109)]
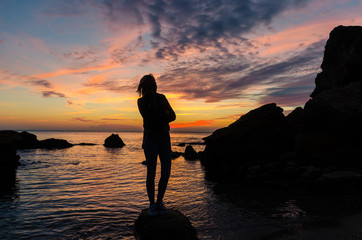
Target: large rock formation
[(259, 137), (173, 225), (311, 145), (342, 59)]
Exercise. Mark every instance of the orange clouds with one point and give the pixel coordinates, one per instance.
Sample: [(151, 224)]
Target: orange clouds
[(199, 123)]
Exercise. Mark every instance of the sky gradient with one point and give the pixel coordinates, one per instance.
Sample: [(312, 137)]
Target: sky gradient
[(75, 65)]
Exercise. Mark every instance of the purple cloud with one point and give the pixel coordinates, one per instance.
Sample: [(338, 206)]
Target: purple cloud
[(52, 93), (42, 83)]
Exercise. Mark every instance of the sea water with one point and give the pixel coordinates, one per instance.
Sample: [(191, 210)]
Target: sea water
[(92, 192)]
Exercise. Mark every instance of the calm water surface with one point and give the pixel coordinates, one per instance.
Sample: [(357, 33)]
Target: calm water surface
[(90, 192)]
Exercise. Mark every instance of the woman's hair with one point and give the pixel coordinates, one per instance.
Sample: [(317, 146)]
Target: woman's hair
[(147, 85)]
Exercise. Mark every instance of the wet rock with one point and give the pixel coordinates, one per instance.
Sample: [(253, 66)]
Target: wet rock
[(190, 153), (53, 143), (173, 226), (113, 141)]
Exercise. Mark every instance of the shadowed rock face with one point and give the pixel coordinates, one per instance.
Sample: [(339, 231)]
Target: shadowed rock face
[(309, 145), (173, 226), (342, 59)]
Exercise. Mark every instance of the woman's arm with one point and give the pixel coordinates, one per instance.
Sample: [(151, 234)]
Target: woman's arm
[(170, 114), (140, 108)]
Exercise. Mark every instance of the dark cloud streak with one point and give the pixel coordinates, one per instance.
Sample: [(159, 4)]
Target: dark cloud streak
[(179, 25), (41, 83), (52, 93), (228, 79)]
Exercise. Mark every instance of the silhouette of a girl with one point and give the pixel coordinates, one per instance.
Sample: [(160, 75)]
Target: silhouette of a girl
[(157, 114)]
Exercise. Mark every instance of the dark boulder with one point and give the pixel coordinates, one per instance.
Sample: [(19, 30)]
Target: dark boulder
[(53, 143), (12, 137), (260, 135), (23, 140), (28, 141), (173, 225), (9, 158), (190, 153), (113, 141)]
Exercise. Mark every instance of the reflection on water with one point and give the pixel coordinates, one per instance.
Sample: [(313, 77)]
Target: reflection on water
[(90, 192)]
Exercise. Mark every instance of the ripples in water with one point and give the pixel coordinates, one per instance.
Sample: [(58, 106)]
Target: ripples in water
[(90, 192)]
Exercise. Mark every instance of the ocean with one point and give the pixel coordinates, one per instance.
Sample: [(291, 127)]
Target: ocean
[(91, 192)]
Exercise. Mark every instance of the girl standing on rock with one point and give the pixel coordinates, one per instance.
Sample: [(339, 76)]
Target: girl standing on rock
[(157, 114)]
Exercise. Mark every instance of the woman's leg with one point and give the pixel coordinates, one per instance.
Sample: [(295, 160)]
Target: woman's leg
[(151, 161), (165, 159)]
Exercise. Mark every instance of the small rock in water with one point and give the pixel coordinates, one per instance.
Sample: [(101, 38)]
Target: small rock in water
[(52, 143), (190, 153), (173, 225), (175, 154), (113, 141)]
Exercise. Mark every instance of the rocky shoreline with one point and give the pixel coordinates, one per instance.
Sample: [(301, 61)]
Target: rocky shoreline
[(11, 141), (318, 145)]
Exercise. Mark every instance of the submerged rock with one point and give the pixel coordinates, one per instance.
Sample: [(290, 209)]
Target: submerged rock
[(173, 225), (86, 144), (114, 141)]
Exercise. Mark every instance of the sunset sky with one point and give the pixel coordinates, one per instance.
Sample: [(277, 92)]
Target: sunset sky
[(75, 64)]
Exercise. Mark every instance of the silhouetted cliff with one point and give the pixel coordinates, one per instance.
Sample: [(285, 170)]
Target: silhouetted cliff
[(319, 144)]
